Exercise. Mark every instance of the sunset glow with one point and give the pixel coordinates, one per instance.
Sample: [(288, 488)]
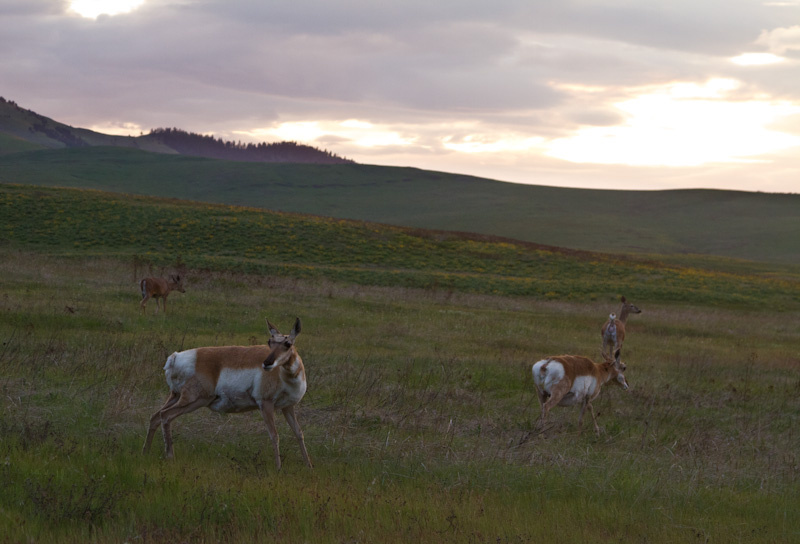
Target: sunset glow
[(756, 59), (94, 8), (683, 125)]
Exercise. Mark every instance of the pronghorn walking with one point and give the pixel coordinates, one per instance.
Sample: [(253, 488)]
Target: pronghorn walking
[(234, 379), (159, 288), (567, 380), (613, 331)]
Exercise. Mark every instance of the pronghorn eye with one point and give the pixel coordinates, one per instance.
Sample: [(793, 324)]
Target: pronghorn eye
[(287, 344)]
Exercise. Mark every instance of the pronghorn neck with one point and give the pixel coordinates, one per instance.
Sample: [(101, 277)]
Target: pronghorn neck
[(292, 368)]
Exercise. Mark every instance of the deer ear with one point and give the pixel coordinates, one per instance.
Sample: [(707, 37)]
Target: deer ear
[(622, 299)]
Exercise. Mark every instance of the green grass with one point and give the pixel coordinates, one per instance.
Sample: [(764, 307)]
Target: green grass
[(154, 234), (751, 226), (420, 416), (10, 144)]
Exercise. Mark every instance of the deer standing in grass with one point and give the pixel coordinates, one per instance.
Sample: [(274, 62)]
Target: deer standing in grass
[(568, 380), (232, 379), (613, 331), (159, 288)]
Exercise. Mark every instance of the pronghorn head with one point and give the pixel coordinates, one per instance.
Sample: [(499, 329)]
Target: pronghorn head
[(281, 345), (616, 368), (178, 283)]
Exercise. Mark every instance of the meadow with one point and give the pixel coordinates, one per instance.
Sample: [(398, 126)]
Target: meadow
[(420, 416), (753, 226)]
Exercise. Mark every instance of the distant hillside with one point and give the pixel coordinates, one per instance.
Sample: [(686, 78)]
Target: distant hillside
[(244, 239), (198, 145), (22, 130), (754, 226)]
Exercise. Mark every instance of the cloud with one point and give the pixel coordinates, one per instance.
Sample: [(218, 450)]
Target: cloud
[(781, 40)]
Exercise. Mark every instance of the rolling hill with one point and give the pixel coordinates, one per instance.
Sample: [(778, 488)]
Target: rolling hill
[(751, 226), (40, 132)]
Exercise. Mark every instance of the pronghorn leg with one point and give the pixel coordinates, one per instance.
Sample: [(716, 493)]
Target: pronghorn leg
[(155, 420), (184, 405), (291, 418), (556, 394), (594, 419), (540, 395), (580, 418), (268, 413)]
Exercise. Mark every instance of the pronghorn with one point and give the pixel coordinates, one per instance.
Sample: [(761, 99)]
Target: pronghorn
[(613, 331), (159, 288), (236, 379), (567, 380)]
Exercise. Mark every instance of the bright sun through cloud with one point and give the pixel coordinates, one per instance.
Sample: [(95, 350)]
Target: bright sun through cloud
[(94, 8), (683, 125)]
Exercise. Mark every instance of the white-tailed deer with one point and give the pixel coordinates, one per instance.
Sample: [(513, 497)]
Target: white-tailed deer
[(567, 380), (234, 379), (613, 331), (159, 288)]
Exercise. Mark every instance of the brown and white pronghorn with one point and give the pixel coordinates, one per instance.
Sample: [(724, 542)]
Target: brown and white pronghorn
[(613, 331), (234, 379), (159, 288), (567, 380)]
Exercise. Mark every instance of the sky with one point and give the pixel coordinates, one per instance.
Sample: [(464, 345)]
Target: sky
[(606, 94)]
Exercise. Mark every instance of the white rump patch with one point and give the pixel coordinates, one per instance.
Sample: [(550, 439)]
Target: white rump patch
[(179, 368)]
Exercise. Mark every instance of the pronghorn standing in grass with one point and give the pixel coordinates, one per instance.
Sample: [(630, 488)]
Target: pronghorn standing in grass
[(159, 288), (234, 379), (567, 380), (613, 331)]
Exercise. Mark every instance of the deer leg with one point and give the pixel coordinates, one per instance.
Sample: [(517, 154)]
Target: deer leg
[(291, 418), (268, 413), (143, 304), (155, 419), (164, 300), (184, 405)]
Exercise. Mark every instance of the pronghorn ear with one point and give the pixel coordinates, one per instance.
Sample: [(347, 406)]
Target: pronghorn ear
[(296, 329), (617, 355), (622, 299), (273, 330)]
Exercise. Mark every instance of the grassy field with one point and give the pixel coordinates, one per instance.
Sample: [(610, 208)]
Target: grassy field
[(420, 415), (159, 233), (753, 226)]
